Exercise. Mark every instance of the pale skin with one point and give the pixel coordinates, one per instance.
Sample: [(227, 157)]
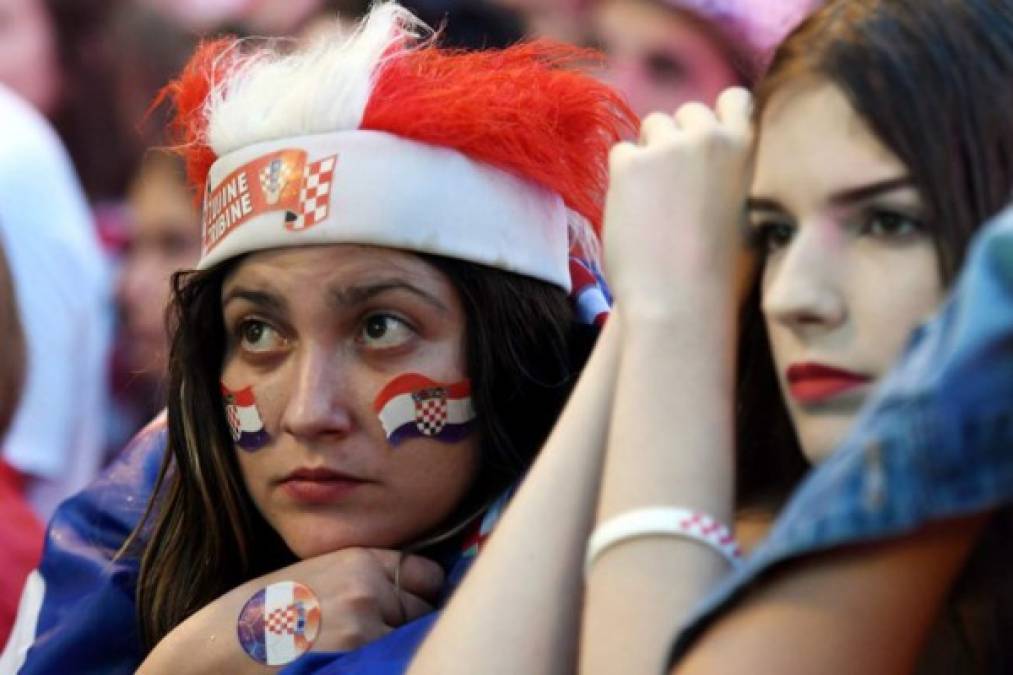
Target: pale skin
[(501, 621), (318, 332), (673, 213), (659, 57), (850, 272)]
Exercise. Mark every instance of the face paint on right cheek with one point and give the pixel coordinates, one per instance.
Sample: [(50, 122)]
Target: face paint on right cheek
[(244, 420), (414, 406)]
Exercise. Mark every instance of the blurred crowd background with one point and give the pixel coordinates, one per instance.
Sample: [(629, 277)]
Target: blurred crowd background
[(95, 214)]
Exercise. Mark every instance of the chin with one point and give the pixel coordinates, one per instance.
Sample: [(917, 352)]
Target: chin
[(310, 537), (820, 438)]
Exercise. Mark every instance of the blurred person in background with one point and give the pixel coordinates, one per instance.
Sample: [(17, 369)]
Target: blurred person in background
[(564, 20), (56, 54), (465, 24), (20, 531), (62, 286), (663, 53), (162, 236)]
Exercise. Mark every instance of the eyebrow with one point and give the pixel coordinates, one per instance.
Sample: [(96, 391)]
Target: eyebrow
[(356, 295), (270, 301), (843, 198)]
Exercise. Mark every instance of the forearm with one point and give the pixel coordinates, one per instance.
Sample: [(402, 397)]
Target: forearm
[(670, 444), (207, 641), (866, 608), (517, 610)]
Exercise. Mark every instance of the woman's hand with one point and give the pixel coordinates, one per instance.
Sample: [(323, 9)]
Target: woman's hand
[(359, 603), (674, 209)]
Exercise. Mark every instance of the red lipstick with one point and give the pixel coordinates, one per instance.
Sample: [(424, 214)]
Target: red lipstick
[(811, 383), (319, 486)]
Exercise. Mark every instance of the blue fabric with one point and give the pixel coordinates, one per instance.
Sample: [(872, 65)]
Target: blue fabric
[(88, 623), (935, 441)]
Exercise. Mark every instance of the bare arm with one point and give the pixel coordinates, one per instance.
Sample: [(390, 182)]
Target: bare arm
[(677, 198), (358, 601), (517, 610), (866, 609)]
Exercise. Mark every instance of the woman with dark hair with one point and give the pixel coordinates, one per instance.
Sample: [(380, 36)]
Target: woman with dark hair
[(374, 345), (882, 148), (863, 206)]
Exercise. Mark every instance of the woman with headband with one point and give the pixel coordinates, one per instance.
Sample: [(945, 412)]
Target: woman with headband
[(375, 343)]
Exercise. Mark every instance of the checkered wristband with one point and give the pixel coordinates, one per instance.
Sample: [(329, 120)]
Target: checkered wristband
[(667, 521)]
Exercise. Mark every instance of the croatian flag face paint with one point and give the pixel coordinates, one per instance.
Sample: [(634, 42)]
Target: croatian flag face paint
[(413, 406), (279, 623), (244, 419)]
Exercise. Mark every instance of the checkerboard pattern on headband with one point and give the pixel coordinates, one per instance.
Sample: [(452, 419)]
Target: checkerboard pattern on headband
[(315, 194)]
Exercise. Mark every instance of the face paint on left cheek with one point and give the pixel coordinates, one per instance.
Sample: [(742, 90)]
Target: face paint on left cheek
[(414, 406), (244, 419)]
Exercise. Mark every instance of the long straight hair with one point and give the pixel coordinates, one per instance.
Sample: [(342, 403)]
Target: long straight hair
[(12, 355), (203, 535), (933, 80)]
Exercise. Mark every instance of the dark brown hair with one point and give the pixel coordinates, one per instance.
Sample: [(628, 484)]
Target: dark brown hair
[(522, 357), (12, 354), (933, 79)]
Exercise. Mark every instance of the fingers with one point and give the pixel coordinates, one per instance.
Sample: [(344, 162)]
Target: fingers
[(414, 606), (655, 127), (695, 116), (413, 573), (421, 576), (734, 110)]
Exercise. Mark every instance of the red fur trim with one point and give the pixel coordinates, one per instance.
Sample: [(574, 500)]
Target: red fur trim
[(526, 109), (188, 94)]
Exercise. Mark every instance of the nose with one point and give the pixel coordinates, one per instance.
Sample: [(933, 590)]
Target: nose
[(802, 285), (318, 407)]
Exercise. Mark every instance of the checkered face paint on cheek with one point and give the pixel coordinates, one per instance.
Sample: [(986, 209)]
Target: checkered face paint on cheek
[(414, 406), (279, 623), (244, 420)]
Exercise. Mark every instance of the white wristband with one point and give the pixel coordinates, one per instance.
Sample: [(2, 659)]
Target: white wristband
[(670, 521)]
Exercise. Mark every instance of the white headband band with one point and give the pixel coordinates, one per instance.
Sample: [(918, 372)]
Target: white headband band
[(370, 187)]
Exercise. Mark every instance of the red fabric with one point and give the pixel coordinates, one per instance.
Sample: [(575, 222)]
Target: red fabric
[(21, 537), (210, 63), (526, 109)]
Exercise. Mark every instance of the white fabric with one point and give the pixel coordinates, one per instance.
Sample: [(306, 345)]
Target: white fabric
[(23, 633), (62, 286), (400, 410), (321, 87), (393, 192), (665, 521)]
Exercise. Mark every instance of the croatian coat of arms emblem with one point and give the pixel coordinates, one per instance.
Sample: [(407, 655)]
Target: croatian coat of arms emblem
[(430, 410)]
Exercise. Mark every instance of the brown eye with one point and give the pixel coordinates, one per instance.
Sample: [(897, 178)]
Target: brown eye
[(383, 331), (771, 237), (257, 336), (891, 225)]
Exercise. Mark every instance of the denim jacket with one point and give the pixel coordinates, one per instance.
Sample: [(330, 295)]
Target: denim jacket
[(934, 442)]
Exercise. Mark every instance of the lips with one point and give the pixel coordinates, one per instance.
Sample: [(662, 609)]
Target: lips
[(319, 485), (811, 383)]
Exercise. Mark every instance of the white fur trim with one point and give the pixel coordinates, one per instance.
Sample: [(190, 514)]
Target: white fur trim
[(320, 88), (22, 635), (393, 192)]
